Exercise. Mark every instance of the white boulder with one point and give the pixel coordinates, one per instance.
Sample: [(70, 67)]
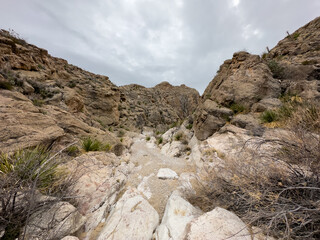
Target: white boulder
[(132, 218), (167, 173)]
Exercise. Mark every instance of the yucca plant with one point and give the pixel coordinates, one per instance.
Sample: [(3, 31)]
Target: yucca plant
[(89, 144)]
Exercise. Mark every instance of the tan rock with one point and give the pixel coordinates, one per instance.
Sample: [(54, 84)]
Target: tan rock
[(22, 125)]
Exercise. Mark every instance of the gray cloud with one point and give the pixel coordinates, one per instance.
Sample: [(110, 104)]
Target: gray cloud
[(149, 41)]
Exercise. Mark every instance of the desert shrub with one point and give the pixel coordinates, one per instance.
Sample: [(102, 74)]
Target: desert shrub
[(160, 140), (276, 69), (189, 126), (15, 37), (72, 84), (278, 190), (121, 133), (148, 138), (89, 144), (238, 108), (295, 35), (38, 102), (5, 85), (73, 151), (269, 116), (24, 175), (178, 136)]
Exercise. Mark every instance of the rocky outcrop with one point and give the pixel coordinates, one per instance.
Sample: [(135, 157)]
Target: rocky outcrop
[(156, 107), (22, 124), (250, 83)]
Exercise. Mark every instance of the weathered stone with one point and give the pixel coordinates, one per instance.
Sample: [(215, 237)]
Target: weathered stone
[(177, 215), (266, 104), (59, 220), (167, 173), (218, 224), (132, 218)]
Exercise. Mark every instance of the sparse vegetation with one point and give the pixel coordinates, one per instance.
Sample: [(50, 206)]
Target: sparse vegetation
[(38, 102), (189, 126), (24, 176), (148, 138), (277, 192), (269, 116), (238, 108), (5, 85), (295, 35), (73, 151), (121, 133), (89, 144), (160, 140), (276, 69)]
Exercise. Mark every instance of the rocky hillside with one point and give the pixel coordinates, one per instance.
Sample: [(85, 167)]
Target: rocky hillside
[(250, 83), (156, 107), (45, 100)]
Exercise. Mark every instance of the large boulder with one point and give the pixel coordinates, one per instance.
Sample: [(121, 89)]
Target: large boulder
[(60, 220), (98, 177), (177, 215), (218, 224), (132, 218)]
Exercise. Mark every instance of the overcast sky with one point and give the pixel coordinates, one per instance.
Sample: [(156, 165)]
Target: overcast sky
[(150, 41)]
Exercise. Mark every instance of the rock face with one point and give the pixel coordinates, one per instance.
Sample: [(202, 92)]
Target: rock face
[(218, 224), (252, 83), (156, 107), (132, 218), (177, 215)]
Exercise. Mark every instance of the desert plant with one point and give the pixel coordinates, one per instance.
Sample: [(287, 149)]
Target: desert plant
[(276, 69), (148, 138), (268, 116), (160, 140), (189, 126), (89, 144), (72, 150), (24, 176), (278, 190), (5, 85), (38, 102), (107, 147), (238, 108), (121, 133)]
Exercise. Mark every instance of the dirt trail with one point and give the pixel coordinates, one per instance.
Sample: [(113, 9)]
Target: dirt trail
[(149, 160)]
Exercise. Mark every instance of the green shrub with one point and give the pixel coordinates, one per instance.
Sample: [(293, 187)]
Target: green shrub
[(89, 144), (121, 133), (73, 151), (238, 108), (38, 102), (189, 126), (148, 138), (269, 116), (178, 136), (160, 140), (71, 84), (276, 69), (295, 35), (5, 85)]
